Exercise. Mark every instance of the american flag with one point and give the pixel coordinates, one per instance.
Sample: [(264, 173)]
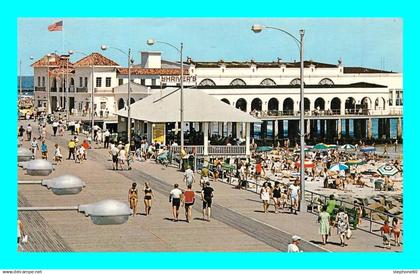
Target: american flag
[(57, 26)]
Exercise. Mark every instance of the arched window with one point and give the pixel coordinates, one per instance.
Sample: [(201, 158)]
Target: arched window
[(224, 100), (326, 82), (238, 82), (256, 104), (288, 105), (268, 82), (241, 104), (121, 103), (296, 82), (319, 104), (72, 82), (207, 82), (273, 104)]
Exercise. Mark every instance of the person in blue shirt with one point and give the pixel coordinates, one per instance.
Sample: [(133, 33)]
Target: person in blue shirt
[(44, 150)]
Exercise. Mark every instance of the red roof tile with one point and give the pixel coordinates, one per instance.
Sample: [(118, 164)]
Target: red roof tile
[(55, 60), (97, 59), (152, 71)]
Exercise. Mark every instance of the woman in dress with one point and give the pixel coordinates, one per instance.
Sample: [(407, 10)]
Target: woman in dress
[(133, 198), (265, 196), (122, 157), (148, 195), (324, 224), (342, 221)]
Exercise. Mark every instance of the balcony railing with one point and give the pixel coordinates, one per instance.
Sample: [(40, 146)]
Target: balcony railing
[(40, 88), (102, 90), (82, 89), (329, 112), (212, 150)]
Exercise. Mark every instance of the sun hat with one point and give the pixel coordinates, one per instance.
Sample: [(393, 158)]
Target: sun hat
[(295, 238)]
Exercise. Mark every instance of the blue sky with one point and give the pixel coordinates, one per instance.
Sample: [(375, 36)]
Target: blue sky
[(369, 42)]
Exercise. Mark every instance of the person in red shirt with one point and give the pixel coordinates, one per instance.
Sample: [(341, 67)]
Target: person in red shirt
[(189, 199), (386, 235), (86, 146)]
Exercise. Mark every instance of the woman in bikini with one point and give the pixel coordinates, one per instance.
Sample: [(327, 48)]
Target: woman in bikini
[(148, 195), (133, 198)]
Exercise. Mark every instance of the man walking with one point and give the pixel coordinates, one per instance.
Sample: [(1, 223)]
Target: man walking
[(189, 199), (55, 127), (29, 132), (175, 198), (294, 246), (107, 135), (294, 193), (71, 146), (207, 196)]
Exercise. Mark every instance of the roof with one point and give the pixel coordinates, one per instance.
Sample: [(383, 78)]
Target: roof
[(274, 64), (199, 107), (353, 85), (137, 88), (55, 60), (152, 71), (363, 70), (97, 59)]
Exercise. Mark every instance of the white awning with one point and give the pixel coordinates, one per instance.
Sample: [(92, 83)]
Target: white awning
[(164, 107)]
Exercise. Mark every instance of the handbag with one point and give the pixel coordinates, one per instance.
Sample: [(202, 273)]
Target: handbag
[(25, 239), (348, 233)]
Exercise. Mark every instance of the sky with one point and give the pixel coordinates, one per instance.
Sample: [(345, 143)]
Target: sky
[(368, 42)]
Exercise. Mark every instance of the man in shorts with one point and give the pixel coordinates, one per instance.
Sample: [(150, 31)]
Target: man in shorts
[(114, 154), (175, 198), (207, 196), (294, 194), (189, 199)]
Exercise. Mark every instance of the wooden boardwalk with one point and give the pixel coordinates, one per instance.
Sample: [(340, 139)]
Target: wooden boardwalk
[(42, 237)]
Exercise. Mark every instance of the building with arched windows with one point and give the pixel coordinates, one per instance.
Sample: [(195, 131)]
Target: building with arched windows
[(340, 102)]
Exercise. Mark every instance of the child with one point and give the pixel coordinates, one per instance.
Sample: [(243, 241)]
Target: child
[(386, 235)]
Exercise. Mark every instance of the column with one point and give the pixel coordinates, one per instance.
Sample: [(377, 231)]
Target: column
[(229, 128), (308, 127), (369, 128), (206, 138), (247, 139), (243, 130), (238, 130), (276, 135), (220, 128), (399, 128), (149, 132), (339, 129)]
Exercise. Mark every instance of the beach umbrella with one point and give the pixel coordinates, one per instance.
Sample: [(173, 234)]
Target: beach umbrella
[(387, 170), (306, 163), (331, 146), (339, 167), (320, 146), (264, 149), (348, 147), (295, 174), (355, 162), (367, 149)]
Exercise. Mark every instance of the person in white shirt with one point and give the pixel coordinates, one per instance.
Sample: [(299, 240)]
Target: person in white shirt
[(175, 198), (294, 246), (294, 193), (189, 176), (57, 154), (107, 135), (55, 127)]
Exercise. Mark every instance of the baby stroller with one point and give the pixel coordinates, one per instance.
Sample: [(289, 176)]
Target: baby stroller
[(164, 158)]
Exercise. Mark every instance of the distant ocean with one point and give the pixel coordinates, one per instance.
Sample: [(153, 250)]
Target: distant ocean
[(27, 85)]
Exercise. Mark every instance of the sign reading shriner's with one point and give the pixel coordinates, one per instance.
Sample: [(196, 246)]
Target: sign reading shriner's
[(175, 79)]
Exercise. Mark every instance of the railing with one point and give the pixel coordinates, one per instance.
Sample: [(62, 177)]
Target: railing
[(40, 89), (373, 227), (107, 90), (312, 197), (82, 89), (329, 112), (212, 150)]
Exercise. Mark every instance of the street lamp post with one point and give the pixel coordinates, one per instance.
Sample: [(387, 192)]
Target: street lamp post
[(48, 84), (128, 104), (258, 28), (151, 42), (92, 117)]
